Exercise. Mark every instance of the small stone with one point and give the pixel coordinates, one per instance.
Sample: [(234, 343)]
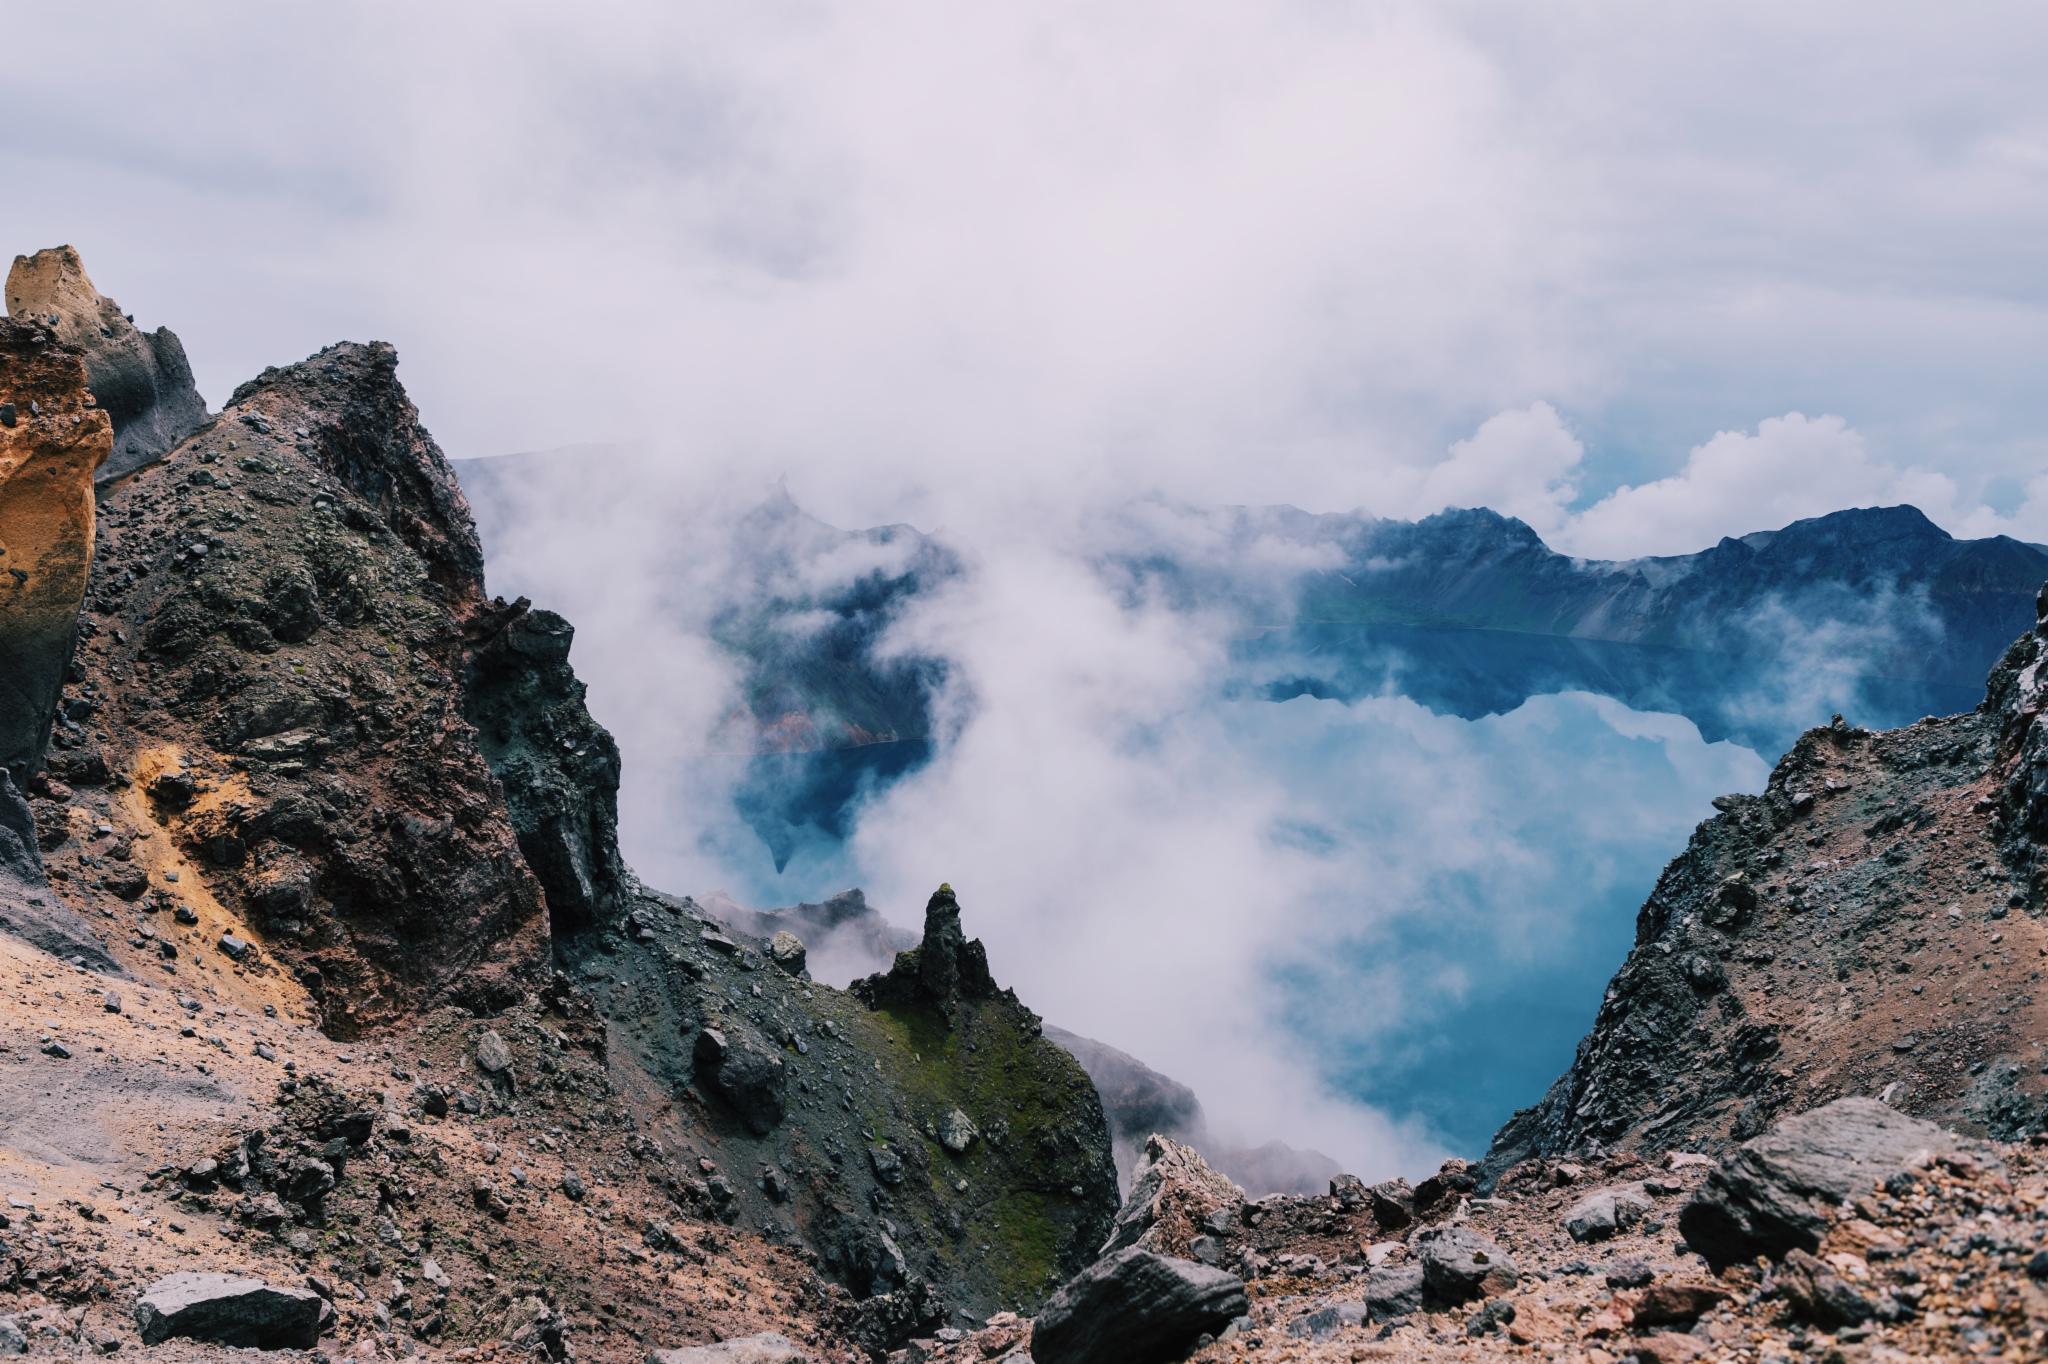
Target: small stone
[(493, 1056), (572, 1186), (1605, 1212), (236, 948), (957, 1132)]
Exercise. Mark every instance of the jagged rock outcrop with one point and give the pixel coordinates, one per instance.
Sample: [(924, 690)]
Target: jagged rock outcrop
[(272, 674), (559, 767), (141, 380), (1174, 1199), (52, 437), (935, 1149), (946, 966), (1872, 923)]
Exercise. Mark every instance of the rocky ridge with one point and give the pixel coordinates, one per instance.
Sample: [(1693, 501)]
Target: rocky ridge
[(397, 1022)]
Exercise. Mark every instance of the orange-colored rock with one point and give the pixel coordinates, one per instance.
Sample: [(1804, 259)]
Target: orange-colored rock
[(141, 380), (53, 437)]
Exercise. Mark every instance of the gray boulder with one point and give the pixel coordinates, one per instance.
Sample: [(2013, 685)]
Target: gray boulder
[(1325, 1322), (13, 1340), (224, 1310), (1393, 1291), (746, 1075), (1604, 1212), (1459, 1264), (1778, 1191), (765, 1348), (1135, 1307), (1393, 1203)]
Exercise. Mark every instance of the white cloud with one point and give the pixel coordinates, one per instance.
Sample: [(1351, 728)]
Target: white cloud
[(1520, 462), (1228, 254), (1791, 467)]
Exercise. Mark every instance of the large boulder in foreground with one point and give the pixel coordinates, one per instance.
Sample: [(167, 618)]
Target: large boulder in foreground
[(223, 1310), (52, 438), (1135, 1307), (769, 1347), (1779, 1191), (141, 380)]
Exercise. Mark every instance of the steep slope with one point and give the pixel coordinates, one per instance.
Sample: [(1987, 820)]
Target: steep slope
[(319, 794), (140, 379), (1873, 923)]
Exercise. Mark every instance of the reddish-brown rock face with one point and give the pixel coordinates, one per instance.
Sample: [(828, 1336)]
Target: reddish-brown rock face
[(52, 439)]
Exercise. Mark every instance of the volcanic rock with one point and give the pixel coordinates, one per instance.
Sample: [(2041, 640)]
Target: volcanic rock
[(1780, 1190), (1604, 1212), (1173, 1194), (1459, 1264), (224, 1310), (47, 457), (141, 380), (1134, 1307)]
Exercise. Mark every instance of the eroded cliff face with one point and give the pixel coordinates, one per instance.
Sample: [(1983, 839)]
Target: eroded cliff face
[(1874, 923), (53, 437), (271, 680), (142, 380)]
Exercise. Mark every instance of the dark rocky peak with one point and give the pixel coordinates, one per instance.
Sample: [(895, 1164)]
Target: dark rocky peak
[(944, 968), (142, 380), (1851, 528), (346, 409)]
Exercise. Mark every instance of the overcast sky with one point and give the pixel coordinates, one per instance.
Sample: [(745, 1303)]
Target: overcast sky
[(1764, 259)]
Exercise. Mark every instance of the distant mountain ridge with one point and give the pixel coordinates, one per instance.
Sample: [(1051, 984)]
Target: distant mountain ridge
[(1874, 612)]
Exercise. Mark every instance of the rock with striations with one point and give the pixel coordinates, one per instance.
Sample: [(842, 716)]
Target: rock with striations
[(52, 437), (141, 380), (221, 1309), (1779, 1192), (1173, 1195), (768, 1347), (1135, 1307)]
